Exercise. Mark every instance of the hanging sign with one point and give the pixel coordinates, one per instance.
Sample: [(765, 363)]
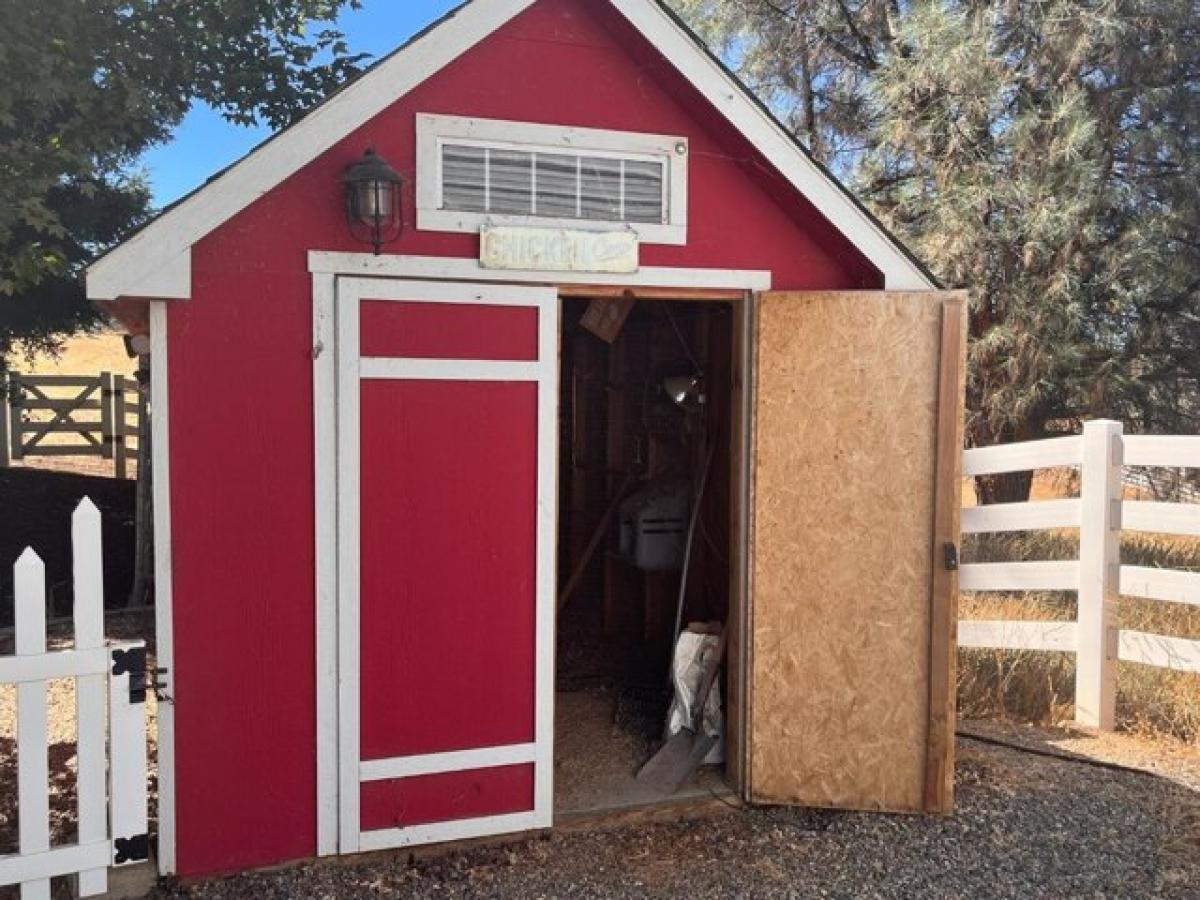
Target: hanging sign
[(558, 250)]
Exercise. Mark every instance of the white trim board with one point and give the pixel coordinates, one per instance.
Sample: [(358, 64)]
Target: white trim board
[(164, 629), (449, 761), (452, 268), (156, 262), (326, 575)]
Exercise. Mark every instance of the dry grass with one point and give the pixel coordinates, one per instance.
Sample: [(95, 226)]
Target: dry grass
[(1038, 687), (82, 354)]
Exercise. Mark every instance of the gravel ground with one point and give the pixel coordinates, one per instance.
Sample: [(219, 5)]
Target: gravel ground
[(1026, 826)]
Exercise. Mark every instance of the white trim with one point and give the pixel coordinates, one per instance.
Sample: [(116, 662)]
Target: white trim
[(451, 761), (155, 261), (348, 627), (460, 830), (817, 186), (368, 289), (351, 370), (434, 131), (325, 518), (546, 556), (453, 369), (459, 269), (163, 612)]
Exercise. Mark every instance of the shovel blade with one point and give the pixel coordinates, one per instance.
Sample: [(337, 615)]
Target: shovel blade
[(676, 762)]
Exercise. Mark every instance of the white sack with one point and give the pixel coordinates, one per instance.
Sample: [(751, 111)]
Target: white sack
[(692, 653)]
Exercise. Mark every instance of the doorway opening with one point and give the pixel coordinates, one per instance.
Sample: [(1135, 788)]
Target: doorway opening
[(649, 442)]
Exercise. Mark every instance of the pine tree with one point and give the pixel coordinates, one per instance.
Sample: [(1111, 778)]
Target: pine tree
[(1042, 155)]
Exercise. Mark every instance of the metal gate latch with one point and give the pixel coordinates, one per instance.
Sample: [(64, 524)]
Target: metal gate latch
[(951, 556)]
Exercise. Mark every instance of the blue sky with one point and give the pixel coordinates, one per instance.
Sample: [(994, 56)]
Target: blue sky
[(205, 143)]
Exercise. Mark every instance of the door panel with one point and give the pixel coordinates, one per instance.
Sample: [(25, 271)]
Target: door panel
[(448, 550), (842, 630), (447, 407)]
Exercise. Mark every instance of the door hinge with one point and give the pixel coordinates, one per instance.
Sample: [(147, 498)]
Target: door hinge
[(950, 556), (133, 662), (131, 849)]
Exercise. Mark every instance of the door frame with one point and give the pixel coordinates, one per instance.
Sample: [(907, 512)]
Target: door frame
[(327, 269), (352, 370)]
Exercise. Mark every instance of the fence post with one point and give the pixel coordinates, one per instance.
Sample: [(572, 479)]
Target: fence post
[(5, 437), (106, 416), (1099, 564), (16, 396), (120, 448)]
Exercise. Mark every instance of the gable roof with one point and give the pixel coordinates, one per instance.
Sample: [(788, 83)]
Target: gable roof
[(155, 262)]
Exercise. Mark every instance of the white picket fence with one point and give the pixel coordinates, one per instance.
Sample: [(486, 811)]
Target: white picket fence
[(1100, 513), (110, 755)]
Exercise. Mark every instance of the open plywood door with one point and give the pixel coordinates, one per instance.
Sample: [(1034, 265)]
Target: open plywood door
[(858, 408)]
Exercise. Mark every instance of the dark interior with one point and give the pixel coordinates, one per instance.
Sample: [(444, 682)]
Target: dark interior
[(645, 415)]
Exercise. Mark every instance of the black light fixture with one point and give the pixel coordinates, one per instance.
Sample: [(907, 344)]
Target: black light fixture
[(373, 200)]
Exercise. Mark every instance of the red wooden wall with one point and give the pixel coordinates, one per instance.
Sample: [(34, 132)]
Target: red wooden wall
[(241, 396)]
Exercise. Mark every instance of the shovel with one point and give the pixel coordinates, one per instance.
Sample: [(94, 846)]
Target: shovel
[(678, 759)]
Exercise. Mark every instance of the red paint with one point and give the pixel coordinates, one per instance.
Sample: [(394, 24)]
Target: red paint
[(446, 797), (448, 331), (241, 399), (449, 491)]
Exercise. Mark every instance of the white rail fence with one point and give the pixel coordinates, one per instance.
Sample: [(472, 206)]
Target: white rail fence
[(1097, 575), (110, 684)]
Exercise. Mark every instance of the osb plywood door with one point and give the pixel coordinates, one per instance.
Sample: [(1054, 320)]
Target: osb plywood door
[(858, 416)]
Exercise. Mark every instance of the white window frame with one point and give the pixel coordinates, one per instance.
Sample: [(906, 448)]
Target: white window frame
[(434, 131)]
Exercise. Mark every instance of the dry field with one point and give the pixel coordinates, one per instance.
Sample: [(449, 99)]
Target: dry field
[(99, 351)]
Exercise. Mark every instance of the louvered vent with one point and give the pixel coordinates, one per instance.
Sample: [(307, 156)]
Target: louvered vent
[(553, 185)]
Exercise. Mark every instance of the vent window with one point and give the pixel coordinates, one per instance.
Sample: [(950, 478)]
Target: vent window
[(552, 185), (476, 172)]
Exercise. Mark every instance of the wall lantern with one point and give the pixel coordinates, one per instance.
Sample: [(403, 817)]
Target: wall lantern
[(373, 200)]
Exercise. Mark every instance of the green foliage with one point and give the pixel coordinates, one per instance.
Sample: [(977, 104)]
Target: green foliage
[(1041, 153), (87, 85)]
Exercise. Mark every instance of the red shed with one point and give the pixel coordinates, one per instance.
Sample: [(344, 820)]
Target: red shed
[(617, 357)]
